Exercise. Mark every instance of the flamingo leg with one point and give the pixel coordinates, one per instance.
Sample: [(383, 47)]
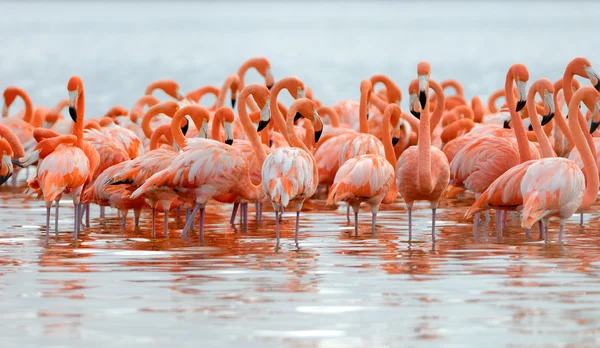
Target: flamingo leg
[(187, 217), (56, 219), (297, 227), (48, 207), (356, 223), (201, 227), (166, 223), (234, 213), (137, 213), (190, 221), (487, 216), (528, 233), (124, 219), (14, 178), (256, 209), (541, 225), (87, 215), (545, 223), (177, 212), (260, 209), (76, 222), (475, 224), (153, 221), (433, 224), (581, 217), (348, 213), (505, 219), (560, 234), (245, 217), (277, 226), (102, 212), (498, 225), (373, 222), (409, 208)]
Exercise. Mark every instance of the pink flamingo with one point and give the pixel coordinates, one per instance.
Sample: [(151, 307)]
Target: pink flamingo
[(550, 186), (205, 169), (432, 168), (290, 174), (369, 178)]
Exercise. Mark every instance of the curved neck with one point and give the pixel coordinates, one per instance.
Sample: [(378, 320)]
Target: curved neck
[(12, 140), (518, 126), (424, 179), (547, 151), (196, 95), (590, 167), (215, 132), (176, 131), (163, 130), (458, 88), (276, 115), (436, 116), (223, 91), (560, 120), (455, 128), (294, 140), (333, 116), (379, 103), (477, 109), (386, 139), (27, 117), (492, 101), (249, 129)]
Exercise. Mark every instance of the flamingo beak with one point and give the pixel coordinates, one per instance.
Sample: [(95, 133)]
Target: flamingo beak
[(229, 142), (185, 128), (423, 83), (270, 142), (297, 116), (522, 96), (593, 76), (395, 141), (265, 116), (73, 95), (228, 133), (301, 93), (413, 98), (179, 96), (594, 126), (506, 124), (548, 100), (319, 125)]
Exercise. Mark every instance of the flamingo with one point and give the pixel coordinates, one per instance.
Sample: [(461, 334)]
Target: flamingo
[(197, 95), (10, 148), (66, 167), (550, 186), (432, 168), (290, 174), (140, 169), (485, 158), (170, 87), (21, 126), (205, 169), (263, 66), (369, 178), (126, 138)]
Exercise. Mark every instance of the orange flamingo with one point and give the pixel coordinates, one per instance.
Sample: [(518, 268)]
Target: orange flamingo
[(550, 186), (205, 169), (11, 148), (432, 168), (290, 174), (369, 178), (197, 95), (170, 87), (21, 126), (122, 136)]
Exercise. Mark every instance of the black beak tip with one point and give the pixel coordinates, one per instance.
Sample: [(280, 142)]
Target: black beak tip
[(16, 162), (297, 116), (185, 128), (520, 105), (233, 103), (368, 116), (415, 114), (546, 119), (270, 142), (530, 127), (318, 135), (395, 141), (229, 142), (422, 99), (597, 86), (261, 125), (4, 179), (269, 87), (73, 113), (506, 125), (594, 126)]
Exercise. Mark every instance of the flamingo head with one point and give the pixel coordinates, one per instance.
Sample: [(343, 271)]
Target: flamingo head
[(225, 115), (595, 116), (304, 107), (366, 90), (414, 106), (75, 87), (10, 94), (521, 76), (423, 72), (265, 114)]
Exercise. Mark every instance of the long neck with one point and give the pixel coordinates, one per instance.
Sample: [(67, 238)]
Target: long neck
[(362, 113), (13, 140), (176, 130), (455, 128), (542, 138), (78, 126), (492, 101), (215, 132), (276, 115), (424, 179), (568, 94), (591, 170), (223, 92), (519, 127), (28, 106), (249, 129), (379, 103), (561, 122), (390, 156), (333, 116), (294, 140), (163, 130), (439, 107), (477, 109)]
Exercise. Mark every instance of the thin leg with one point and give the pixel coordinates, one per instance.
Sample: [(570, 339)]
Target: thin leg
[(48, 207), (166, 224), (256, 209), (124, 220), (277, 226), (560, 233), (87, 215), (81, 213), (348, 214), (14, 178), (433, 224), (245, 217), (260, 209), (541, 226), (545, 226), (498, 226), (234, 213), (190, 221), (102, 212), (356, 223), (201, 227), (153, 221), (487, 216), (409, 208), (76, 222), (177, 213), (581, 217), (187, 217), (505, 218), (297, 227), (476, 224), (528, 233), (373, 222), (56, 219), (137, 213)]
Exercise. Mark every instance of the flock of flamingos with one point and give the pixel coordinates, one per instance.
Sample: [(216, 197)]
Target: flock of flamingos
[(526, 156)]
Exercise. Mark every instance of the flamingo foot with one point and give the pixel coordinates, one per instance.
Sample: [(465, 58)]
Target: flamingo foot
[(234, 213)]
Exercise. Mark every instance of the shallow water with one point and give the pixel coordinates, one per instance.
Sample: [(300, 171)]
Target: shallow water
[(127, 288)]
